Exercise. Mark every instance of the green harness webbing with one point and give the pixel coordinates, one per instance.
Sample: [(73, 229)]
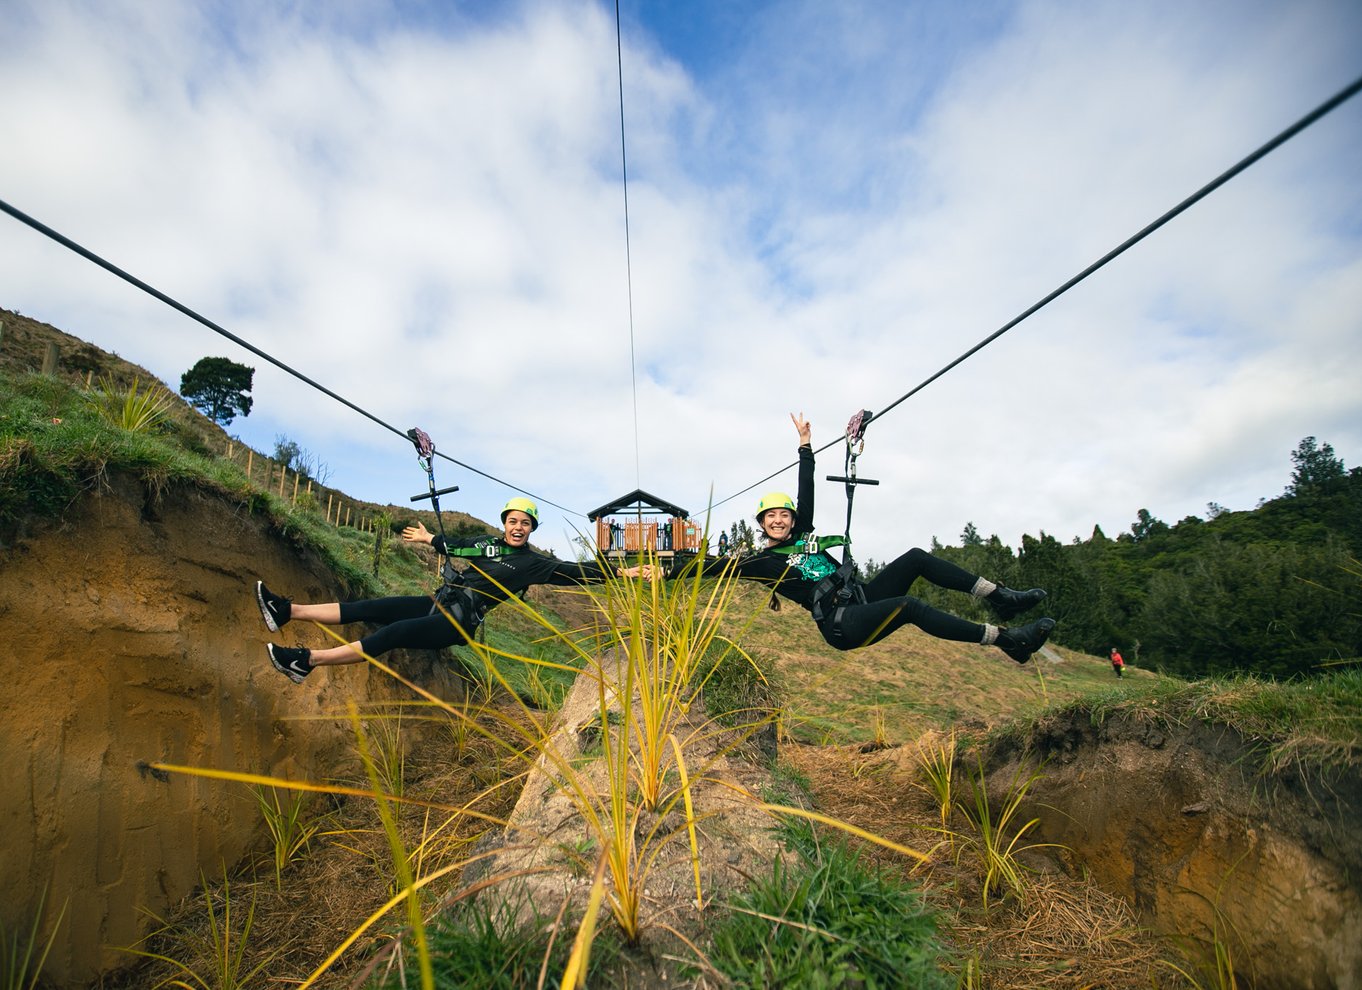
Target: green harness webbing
[(812, 543), (836, 591), (453, 589), (483, 548)]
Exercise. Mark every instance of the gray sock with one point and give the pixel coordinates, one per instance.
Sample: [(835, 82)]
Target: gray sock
[(983, 588)]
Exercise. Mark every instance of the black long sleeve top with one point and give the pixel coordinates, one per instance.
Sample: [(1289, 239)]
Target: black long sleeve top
[(790, 571), (505, 570)]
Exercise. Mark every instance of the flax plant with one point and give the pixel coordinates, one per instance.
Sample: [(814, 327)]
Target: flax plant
[(382, 737), (996, 839), (22, 960), (223, 948), (290, 832), (401, 860), (936, 759), (129, 409)]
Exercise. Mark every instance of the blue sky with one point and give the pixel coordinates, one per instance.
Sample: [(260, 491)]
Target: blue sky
[(419, 205)]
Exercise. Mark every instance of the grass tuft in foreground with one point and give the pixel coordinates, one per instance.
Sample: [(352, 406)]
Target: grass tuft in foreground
[(824, 918)]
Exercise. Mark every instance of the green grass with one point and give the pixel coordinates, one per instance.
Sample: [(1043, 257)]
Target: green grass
[(501, 947), (1318, 721), (823, 918)]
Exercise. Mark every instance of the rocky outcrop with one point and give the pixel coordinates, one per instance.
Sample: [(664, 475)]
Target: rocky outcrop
[(130, 636), (1186, 823)]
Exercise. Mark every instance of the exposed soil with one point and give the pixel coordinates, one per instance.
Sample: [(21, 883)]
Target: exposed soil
[(134, 639), (1207, 837)]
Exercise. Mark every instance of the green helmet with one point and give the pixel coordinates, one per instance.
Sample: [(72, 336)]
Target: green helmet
[(774, 500), (523, 505)]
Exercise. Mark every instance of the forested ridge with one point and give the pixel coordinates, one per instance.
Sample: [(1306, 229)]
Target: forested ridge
[(1276, 590)]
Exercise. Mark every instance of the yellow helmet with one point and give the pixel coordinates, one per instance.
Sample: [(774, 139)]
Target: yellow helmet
[(774, 500), (523, 505)]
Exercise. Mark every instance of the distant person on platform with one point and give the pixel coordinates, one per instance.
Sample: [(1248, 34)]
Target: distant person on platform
[(503, 566), (868, 612), (1117, 664)]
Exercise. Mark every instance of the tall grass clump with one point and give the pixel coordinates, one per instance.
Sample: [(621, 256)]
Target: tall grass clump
[(23, 955), (936, 760), (996, 836), (215, 959), (130, 409), (823, 918), (506, 946), (290, 830)]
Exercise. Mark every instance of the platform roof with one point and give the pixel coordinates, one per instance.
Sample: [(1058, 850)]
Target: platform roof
[(639, 502)]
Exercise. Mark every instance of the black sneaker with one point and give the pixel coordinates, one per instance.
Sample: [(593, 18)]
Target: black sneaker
[(1007, 604), (274, 609), (1020, 642), (291, 661)]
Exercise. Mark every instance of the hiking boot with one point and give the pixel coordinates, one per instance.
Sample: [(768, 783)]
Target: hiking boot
[(1007, 603), (274, 609), (1021, 642), (290, 661)]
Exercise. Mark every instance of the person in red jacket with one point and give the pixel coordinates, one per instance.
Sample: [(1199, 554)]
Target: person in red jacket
[(1117, 664)]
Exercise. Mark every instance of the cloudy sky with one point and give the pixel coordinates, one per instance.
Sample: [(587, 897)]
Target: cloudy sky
[(421, 206)]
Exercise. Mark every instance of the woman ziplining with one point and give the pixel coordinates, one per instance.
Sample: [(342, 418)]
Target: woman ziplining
[(499, 568), (796, 565)]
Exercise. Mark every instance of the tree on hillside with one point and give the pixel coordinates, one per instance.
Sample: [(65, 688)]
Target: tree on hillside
[(1316, 466), (218, 387), (287, 452), (1146, 525)]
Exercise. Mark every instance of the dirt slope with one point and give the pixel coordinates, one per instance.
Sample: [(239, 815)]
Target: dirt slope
[(130, 635), (1207, 839)]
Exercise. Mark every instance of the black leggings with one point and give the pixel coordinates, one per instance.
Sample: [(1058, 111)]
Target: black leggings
[(407, 622), (888, 606)]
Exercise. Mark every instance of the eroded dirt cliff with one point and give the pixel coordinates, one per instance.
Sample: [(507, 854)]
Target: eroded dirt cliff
[(1207, 837), (130, 636)]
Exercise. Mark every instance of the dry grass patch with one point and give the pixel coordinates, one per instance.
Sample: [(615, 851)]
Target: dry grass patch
[(327, 893), (1067, 934)]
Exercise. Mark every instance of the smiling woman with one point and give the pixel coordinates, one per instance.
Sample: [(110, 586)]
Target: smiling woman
[(796, 564), (499, 567)]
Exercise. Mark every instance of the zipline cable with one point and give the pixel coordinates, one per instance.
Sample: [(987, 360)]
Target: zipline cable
[(89, 255), (628, 254), (1328, 105)]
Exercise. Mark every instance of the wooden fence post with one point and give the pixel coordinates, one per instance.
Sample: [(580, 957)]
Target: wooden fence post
[(296, 479), (50, 358), (250, 457), (328, 508)]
